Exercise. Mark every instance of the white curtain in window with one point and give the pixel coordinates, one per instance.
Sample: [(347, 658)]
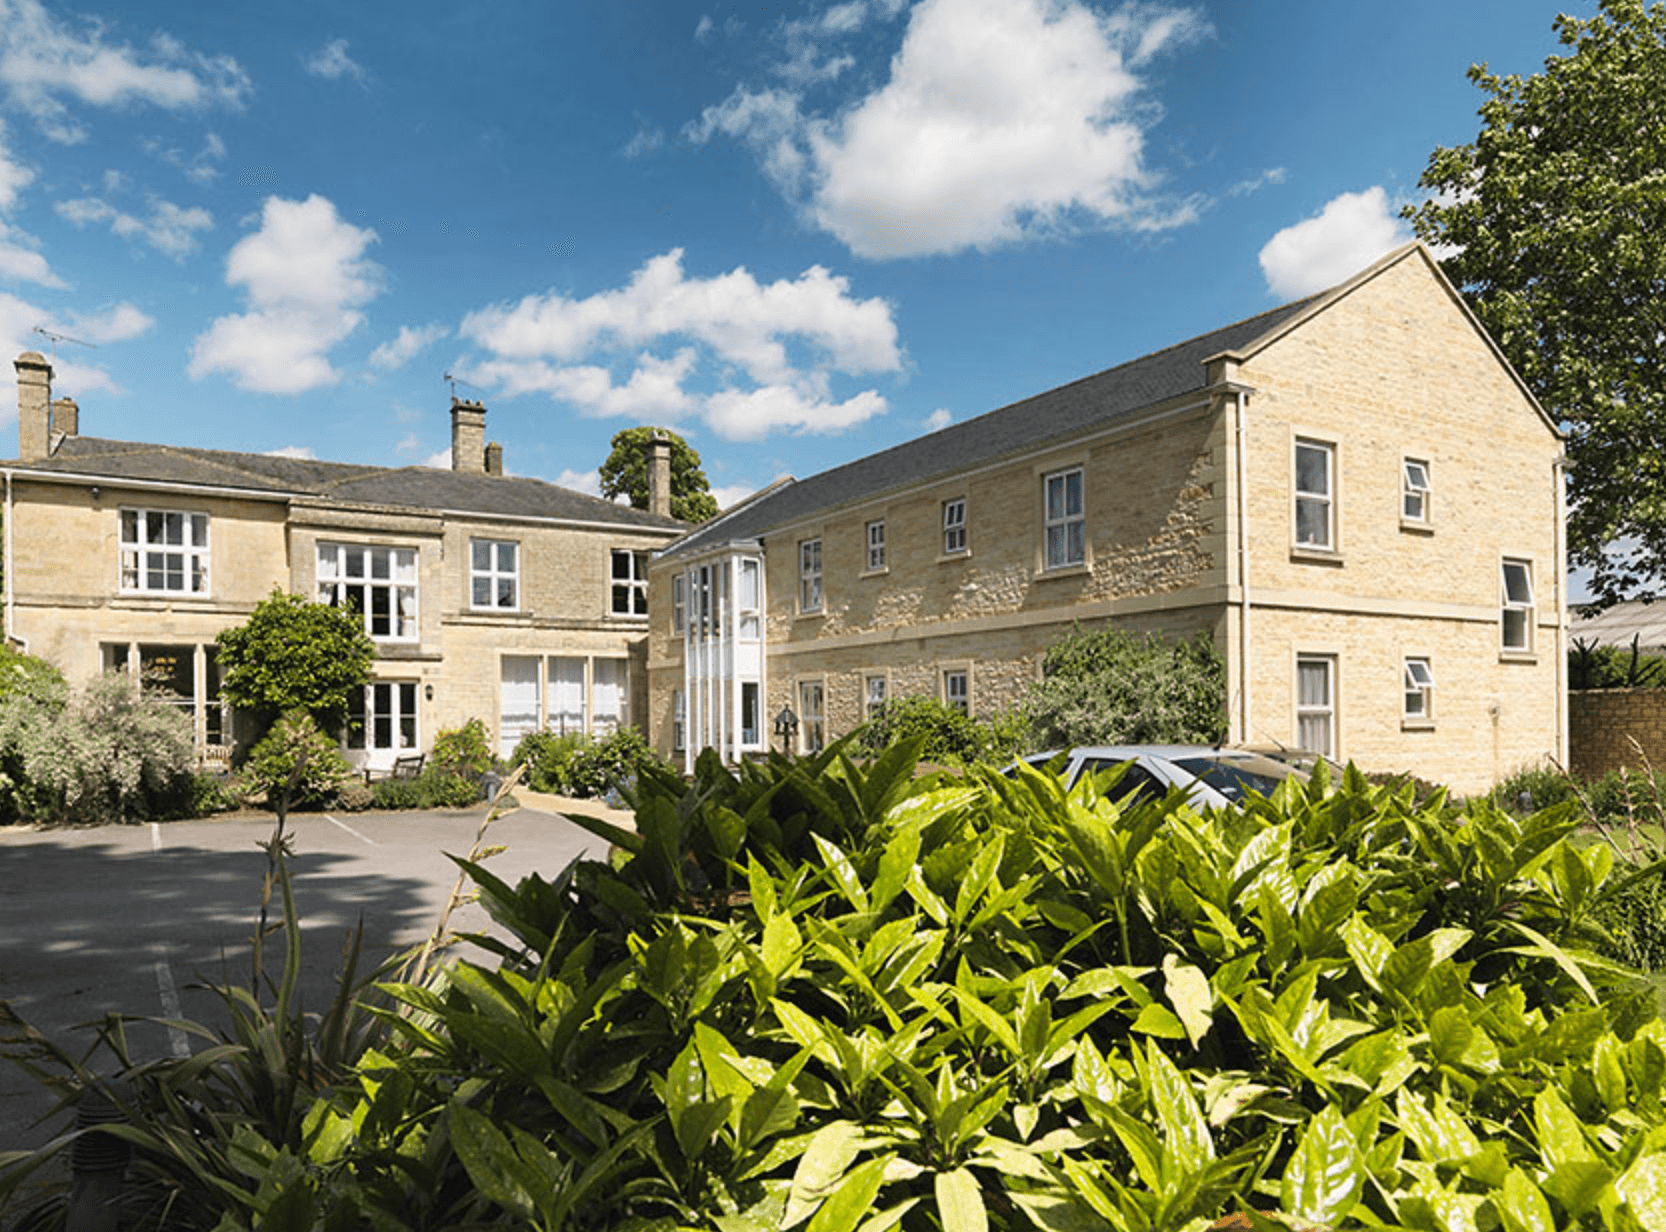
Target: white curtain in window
[(609, 694), (566, 695), (518, 715)]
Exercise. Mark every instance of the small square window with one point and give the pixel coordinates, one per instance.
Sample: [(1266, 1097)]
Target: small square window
[(494, 574), (956, 694), (954, 526), (630, 583), (875, 695), (1420, 690), (1414, 491)]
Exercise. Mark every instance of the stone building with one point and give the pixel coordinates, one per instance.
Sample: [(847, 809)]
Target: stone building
[(1354, 495), (505, 599)]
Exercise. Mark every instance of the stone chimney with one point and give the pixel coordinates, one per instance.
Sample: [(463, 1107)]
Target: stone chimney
[(468, 437), (659, 474), (66, 417), (34, 405), (494, 459)]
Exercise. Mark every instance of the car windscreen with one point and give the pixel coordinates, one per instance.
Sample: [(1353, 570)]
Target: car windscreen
[(1138, 784), (1233, 776)]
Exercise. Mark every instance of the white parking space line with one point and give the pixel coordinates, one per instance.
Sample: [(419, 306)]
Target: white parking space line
[(363, 838), (170, 999), (155, 837)]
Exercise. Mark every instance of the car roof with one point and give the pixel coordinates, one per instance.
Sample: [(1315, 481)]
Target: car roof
[(1126, 751)]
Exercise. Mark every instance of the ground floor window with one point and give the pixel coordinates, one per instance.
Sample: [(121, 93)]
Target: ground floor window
[(564, 694), (875, 695), (1316, 703), (518, 717), (956, 693), (812, 730), (382, 718), (185, 675), (749, 733), (610, 695)]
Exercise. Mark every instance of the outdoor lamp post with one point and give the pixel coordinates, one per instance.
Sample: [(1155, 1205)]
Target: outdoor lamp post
[(786, 726)]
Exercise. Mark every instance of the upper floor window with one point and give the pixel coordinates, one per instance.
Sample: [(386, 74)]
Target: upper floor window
[(380, 583), (1315, 494), (1516, 605), (876, 546), (494, 574), (1414, 490), (809, 575), (1065, 521), (954, 526), (165, 551), (679, 603), (750, 596), (630, 583)]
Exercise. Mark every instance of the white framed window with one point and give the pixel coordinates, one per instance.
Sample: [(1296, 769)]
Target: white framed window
[(1316, 703), (876, 546), (1420, 691), (630, 583), (164, 551), (954, 526), (873, 695), (957, 694), (1066, 523), (1315, 510), (679, 720), (609, 695), (520, 700), (812, 721), (1415, 491), (379, 582), (1516, 605), (809, 575), (750, 599), (679, 603), (383, 717), (566, 695), (494, 574), (751, 735)]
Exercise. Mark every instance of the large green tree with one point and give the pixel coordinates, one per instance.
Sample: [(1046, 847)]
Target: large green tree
[(293, 654), (1553, 222), (625, 473)]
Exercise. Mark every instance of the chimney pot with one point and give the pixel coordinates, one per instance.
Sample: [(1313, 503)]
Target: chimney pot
[(494, 459), (66, 416), (468, 437), (34, 405)]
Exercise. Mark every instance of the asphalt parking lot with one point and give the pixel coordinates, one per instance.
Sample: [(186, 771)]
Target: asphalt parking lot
[(129, 918)]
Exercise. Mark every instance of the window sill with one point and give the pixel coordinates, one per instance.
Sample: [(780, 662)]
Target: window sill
[(1417, 725), (1316, 556), (629, 617), (818, 614), (1416, 528), (873, 573), (954, 556), (1065, 571), (1517, 656), (409, 651), (164, 596)]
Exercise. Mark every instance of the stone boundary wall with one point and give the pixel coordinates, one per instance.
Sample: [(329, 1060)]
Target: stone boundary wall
[(1604, 723)]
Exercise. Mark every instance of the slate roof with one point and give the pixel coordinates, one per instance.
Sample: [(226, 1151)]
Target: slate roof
[(1058, 414), (407, 487), (1617, 625)]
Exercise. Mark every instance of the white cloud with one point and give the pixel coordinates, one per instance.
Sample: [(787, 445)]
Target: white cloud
[(1001, 120), (1352, 231), (588, 482), (14, 176), (703, 30), (170, 229), (44, 61), (199, 168), (939, 419), (332, 62), (293, 451), (729, 495), (646, 140), (440, 461), (70, 375), (400, 350), (117, 323), (305, 277), (19, 259), (775, 347)]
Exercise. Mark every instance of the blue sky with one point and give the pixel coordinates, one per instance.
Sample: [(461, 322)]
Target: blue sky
[(797, 233)]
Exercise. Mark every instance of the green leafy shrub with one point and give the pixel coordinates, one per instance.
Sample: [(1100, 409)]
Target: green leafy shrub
[(948, 736), (1609, 667), (31, 678), (583, 767), (295, 765), (294, 654), (811, 993), (1107, 686), (463, 751), (113, 753), (433, 788)]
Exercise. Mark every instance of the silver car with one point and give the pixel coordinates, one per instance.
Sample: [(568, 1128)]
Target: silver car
[(1208, 774)]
